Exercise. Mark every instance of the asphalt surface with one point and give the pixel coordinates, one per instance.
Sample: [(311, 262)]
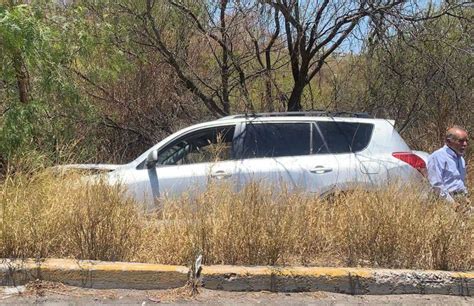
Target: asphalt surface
[(58, 294)]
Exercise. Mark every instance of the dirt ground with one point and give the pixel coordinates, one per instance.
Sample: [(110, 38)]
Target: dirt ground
[(59, 294)]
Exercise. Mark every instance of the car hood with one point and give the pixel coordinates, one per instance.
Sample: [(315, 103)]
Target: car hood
[(98, 167)]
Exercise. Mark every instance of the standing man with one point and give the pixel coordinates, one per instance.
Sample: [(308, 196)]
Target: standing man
[(447, 167)]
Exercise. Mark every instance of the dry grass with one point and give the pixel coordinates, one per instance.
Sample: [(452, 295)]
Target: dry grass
[(389, 228), (48, 216)]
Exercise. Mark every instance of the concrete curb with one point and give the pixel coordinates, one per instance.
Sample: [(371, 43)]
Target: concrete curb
[(93, 274), (109, 275), (341, 280)]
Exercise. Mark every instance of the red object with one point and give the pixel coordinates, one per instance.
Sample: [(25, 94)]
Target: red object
[(413, 160)]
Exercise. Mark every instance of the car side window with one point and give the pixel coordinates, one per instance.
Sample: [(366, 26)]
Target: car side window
[(209, 145), (345, 137), (276, 140)]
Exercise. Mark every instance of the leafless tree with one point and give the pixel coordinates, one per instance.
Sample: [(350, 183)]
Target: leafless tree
[(264, 31), (223, 46), (316, 29), (417, 71), (217, 26)]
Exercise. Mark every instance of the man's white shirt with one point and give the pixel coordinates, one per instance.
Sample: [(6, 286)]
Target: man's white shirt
[(447, 172)]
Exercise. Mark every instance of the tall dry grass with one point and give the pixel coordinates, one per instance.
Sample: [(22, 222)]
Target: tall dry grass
[(51, 215), (44, 215), (388, 228)]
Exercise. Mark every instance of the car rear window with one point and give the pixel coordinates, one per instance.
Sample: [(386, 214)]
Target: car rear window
[(276, 140), (345, 137)]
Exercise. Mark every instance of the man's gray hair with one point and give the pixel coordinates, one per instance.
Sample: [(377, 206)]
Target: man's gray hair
[(451, 132)]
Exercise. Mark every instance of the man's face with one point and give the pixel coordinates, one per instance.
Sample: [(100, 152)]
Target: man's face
[(459, 142)]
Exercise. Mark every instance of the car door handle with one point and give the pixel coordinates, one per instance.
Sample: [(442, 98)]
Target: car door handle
[(320, 170), (220, 175)]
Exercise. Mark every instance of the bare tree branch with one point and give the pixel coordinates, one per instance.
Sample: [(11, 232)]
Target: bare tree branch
[(210, 103)]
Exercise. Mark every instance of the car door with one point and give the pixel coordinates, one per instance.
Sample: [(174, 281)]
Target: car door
[(285, 155), (185, 166), (347, 143)]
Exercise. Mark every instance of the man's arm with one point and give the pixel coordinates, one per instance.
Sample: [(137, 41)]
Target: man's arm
[(435, 169)]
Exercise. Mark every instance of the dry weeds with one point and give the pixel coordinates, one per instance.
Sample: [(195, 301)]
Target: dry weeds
[(46, 215), (50, 215)]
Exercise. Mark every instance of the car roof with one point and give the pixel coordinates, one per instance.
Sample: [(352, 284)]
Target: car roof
[(302, 116)]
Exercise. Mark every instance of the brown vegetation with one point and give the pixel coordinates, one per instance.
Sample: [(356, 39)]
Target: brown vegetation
[(47, 216), (43, 216)]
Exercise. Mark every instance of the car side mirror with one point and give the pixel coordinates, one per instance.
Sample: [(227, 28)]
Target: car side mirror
[(152, 159)]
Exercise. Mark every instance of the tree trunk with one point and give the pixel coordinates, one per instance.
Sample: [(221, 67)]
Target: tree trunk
[(268, 93), (225, 59), (22, 79), (294, 103)]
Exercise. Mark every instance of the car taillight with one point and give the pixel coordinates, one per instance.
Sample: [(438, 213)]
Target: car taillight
[(413, 160)]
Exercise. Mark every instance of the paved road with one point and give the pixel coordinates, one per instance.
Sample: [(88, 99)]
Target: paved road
[(58, 294)]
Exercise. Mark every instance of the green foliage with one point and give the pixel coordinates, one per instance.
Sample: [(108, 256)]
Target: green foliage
[(18, 27), (18, 129), (37, 40)]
